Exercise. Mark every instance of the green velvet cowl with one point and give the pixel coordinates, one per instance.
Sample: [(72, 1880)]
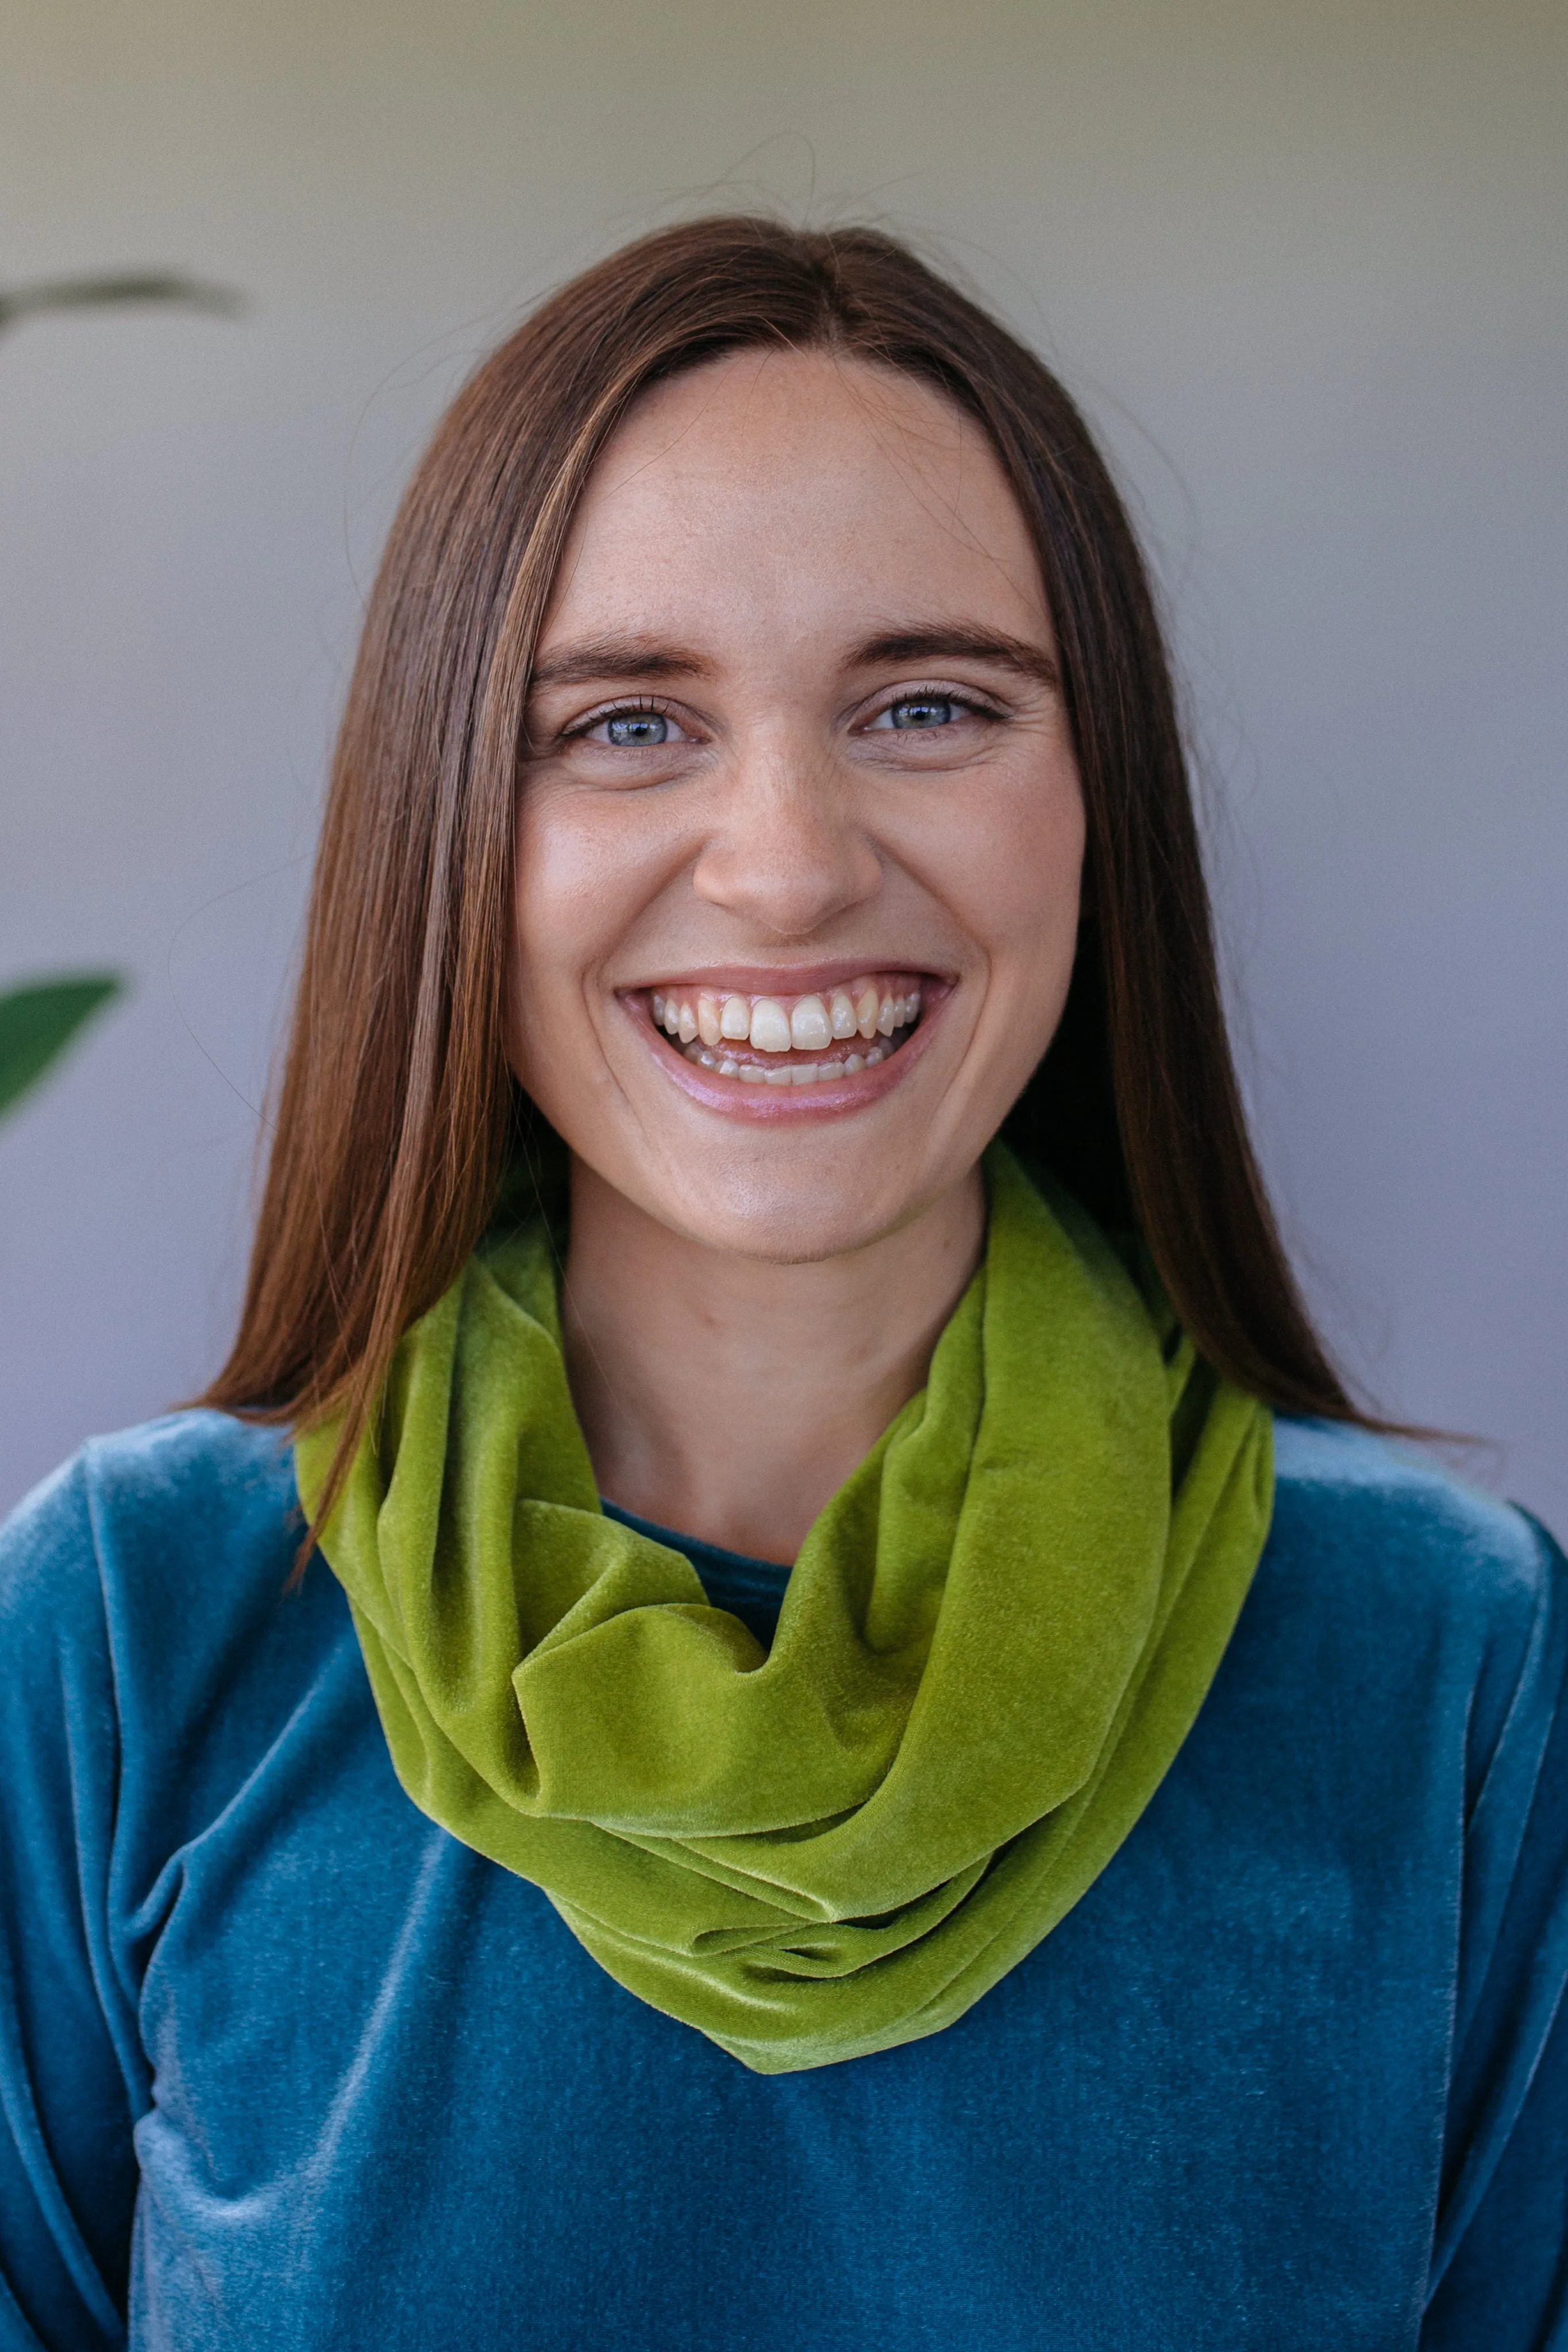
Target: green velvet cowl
[(996, 1637)]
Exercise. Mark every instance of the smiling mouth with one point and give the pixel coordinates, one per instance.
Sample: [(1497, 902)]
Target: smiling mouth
[(790, 1041)]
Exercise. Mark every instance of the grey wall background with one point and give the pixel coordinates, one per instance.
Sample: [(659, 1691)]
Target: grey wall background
[(1305, 267)]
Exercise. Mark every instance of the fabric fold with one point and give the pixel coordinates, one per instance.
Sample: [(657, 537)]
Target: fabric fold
[(994, 1641)]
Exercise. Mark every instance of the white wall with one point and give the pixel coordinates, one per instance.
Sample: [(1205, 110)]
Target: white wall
[(1305, 265)]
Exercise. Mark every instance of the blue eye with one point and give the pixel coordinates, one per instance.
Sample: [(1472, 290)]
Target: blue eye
[(636, 729), (923, 710)]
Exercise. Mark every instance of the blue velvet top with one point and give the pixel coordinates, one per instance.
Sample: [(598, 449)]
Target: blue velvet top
[(283, 2066)]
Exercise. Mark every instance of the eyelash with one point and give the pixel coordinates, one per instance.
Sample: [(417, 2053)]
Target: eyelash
[(972, 702), (646, 705)]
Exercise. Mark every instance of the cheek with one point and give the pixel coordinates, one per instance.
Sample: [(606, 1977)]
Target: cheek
[(1038, 891), (571, 899), (557, 913), (1015, 882), (588, 868)]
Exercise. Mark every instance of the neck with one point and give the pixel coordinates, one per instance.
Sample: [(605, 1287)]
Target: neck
[(730, 1397)]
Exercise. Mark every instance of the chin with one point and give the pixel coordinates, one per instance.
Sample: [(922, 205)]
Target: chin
[(792, 1218)]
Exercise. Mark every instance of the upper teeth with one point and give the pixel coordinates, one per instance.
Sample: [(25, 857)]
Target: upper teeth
[(771, 1025)]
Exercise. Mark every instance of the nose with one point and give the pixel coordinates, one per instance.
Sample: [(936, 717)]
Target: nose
[(788, 852)]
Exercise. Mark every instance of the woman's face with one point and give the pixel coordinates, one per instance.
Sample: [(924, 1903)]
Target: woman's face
[(799, 833)]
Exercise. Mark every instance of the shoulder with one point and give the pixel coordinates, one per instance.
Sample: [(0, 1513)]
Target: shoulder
[(145, 1594), (1352, 1509), (1390, 1574), (193, 1492)]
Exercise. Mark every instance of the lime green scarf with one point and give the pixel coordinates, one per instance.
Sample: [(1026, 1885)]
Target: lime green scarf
[(994, 1641)]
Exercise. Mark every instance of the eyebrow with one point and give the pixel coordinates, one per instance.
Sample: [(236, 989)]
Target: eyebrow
[(953, 641), (639, 657), (644, 659), (648, 660)]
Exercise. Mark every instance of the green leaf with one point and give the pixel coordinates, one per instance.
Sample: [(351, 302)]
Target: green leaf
[(38, 1022)]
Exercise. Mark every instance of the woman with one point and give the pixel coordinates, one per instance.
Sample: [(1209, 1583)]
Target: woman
[(876, 1757)]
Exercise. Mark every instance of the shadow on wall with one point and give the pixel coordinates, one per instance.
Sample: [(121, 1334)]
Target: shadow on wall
[(38, 1020)]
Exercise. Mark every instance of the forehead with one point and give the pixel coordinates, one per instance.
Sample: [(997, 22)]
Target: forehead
[(797, 488)]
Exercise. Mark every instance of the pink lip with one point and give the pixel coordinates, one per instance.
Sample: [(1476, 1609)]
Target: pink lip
[(766, 1106)]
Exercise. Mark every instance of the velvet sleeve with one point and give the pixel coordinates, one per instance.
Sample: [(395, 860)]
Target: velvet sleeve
[(72, 2078), (1499, 2273)]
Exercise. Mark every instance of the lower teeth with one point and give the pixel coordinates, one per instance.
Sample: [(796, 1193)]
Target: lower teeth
[(789, 1073)]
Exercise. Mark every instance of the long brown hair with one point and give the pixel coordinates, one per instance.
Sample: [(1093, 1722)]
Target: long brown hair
[(397, 1113)]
